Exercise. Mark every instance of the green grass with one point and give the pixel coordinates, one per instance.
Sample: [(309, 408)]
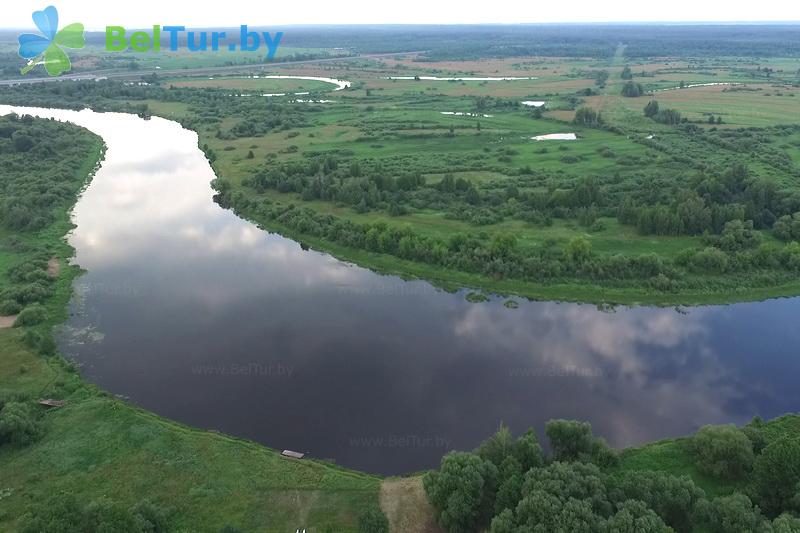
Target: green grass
[(252, 84), (673, 457), (100, 446)]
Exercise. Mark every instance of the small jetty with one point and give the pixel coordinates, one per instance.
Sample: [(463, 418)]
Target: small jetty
[(49, 402), (293, 455)]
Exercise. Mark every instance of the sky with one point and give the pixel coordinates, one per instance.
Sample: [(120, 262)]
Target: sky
[(97, 14)]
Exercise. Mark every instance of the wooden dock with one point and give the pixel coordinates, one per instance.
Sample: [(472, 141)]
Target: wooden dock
[(48, 402), (293, 455)]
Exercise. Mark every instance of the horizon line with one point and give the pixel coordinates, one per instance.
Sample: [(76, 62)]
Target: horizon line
[(484, 24)]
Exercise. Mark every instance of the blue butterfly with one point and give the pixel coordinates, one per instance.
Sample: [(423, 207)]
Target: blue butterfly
[(47, 45)]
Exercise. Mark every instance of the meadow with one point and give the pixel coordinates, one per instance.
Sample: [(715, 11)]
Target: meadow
[(637, 208), (478, 133)]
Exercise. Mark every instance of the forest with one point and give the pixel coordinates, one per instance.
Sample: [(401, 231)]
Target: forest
[(44, 166), (510, 485)]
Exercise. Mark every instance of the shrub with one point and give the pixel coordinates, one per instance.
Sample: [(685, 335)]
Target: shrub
[(31, 315), (776, 475), (462, 491), (65, 514), (573, 441), (672, 498), (722, 451), (9, 307), (728, 513), (632, 89), (18, 424), (634, 516), (373, 521)]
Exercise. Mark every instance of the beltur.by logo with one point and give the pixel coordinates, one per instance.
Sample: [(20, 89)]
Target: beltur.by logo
[(47, 49), (195, 41)]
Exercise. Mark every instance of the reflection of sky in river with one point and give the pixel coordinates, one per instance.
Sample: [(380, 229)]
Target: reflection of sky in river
[(204, 318)]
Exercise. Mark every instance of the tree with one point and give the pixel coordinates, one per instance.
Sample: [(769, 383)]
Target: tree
[(462, 491), (571, 440), (728, 513), (632, 89), (578, 252), (626, 73), (668, 116), (64, 513), (672, 498), (503, 522), (18, 424), (722, 451), (633, 516), (776, 474), (509, 491), (651, 109), (21, 141), (786, 523), (528, 452), (497, 447), (738, 235), (586, 116), (31, 315), (755, 432)]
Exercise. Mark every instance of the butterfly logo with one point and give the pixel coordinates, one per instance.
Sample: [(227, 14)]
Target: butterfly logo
[(46, 49)]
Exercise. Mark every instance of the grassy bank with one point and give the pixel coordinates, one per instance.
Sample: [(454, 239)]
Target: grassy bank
[(453, 280)]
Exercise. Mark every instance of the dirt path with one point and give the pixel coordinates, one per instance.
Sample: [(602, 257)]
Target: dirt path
[(404, 503), (7, 321), (53, 267)]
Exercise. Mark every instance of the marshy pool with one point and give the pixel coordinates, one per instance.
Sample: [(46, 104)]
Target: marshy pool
[(202, 317)]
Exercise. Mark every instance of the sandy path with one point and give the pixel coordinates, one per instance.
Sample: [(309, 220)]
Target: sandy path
[(53, 267), (404, 503)]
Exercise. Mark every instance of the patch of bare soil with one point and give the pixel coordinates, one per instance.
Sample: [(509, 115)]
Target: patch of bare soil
[(404, 503), (53, 267)]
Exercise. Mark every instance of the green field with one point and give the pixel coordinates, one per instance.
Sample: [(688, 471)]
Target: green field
[(659, 212), (252, 84)]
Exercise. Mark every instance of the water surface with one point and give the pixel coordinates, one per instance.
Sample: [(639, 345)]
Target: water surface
[(202, 317)]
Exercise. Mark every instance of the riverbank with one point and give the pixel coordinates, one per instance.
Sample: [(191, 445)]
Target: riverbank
[(99, 447), (452, 280)]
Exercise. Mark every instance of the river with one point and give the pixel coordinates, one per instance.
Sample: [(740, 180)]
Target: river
[(202, 317)]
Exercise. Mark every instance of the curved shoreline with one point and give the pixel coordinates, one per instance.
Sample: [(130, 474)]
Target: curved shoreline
[(455, 280)]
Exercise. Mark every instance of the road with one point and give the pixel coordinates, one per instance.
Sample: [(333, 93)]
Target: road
[(136, 74)]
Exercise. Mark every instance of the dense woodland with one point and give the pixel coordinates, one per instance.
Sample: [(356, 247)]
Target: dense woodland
[(44, 165), (509, 485)]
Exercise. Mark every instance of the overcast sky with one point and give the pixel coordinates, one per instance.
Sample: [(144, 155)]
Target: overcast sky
[(96, 14)]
